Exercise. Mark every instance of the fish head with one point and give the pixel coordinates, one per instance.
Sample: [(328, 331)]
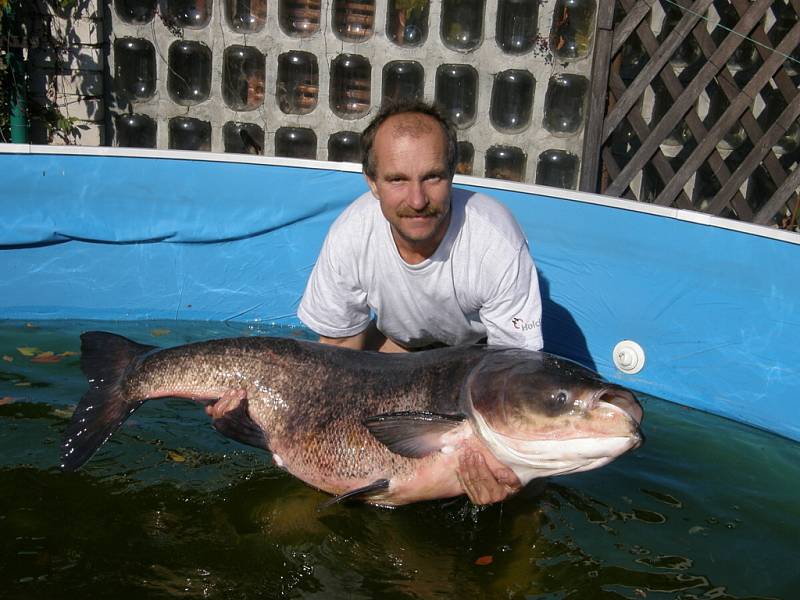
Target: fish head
[(544, 415)]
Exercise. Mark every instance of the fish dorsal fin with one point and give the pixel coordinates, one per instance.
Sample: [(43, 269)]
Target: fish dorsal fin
[(366, 491), (412, 434)]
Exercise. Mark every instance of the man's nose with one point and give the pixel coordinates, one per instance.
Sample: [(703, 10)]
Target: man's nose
[(416, 196)]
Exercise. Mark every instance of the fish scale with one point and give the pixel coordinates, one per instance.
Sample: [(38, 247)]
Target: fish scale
[(298, 428)]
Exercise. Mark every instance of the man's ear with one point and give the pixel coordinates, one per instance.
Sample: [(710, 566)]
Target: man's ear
[(372, 185)]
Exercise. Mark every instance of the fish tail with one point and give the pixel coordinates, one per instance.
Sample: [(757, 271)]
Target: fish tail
[(105, 360)]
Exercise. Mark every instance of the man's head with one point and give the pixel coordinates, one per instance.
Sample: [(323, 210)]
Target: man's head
[(409, 156), (368, 158)]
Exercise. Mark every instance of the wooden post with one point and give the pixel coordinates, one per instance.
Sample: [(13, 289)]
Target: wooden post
[(590, 163)]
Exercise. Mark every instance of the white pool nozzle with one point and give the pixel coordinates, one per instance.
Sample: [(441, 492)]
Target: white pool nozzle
[(628, 357)]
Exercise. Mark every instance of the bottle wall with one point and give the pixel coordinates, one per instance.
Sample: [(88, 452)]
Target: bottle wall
[(302, 78)]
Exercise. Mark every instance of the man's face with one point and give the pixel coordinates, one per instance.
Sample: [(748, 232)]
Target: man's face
[(412, 182)]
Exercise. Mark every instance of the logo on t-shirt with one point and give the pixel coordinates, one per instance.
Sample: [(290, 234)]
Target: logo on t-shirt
[(524, 325)]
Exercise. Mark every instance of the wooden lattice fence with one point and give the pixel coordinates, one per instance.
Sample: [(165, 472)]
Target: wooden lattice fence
[(696, 105)]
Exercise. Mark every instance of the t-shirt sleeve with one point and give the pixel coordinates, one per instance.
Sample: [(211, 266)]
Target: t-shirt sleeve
[(513, 314), (334, 305)]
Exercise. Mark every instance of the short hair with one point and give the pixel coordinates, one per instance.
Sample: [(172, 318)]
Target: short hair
[(391, 109)]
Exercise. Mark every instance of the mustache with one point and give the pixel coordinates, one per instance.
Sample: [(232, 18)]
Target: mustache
[(428, 211)]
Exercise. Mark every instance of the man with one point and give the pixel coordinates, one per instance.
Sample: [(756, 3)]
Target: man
[(435, 266)]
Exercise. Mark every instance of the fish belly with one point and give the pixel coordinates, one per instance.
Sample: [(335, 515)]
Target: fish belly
[(426, 479), (329, 463)]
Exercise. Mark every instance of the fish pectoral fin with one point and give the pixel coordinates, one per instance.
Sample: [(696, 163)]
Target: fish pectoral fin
[(412, 434), (366, 491), (237, 425)]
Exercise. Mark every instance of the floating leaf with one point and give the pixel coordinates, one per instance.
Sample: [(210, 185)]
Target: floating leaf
[(46, 357), (176, 456), (8, 400), (63, 413), (23, 384), (159, 332), (28, 351), (8, 358), (484, 560), (68, 353)]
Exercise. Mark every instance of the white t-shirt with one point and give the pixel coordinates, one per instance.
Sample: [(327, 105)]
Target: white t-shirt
[(480, 282)]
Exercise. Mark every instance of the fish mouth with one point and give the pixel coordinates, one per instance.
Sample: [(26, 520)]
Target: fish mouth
[(622, 399)]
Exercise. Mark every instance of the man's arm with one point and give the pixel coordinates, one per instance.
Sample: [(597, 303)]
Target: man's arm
[(512, 314), (369, 339), (355, 342)]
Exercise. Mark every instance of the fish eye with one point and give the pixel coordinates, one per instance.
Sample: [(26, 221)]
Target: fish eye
[(561, 398)]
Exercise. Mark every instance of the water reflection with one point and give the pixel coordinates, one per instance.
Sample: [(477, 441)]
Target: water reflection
[(264, 534)]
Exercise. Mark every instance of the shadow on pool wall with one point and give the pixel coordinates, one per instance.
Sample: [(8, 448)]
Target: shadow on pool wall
[(561, 332)]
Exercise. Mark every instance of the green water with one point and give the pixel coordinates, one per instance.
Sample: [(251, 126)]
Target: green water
[(169, 508)]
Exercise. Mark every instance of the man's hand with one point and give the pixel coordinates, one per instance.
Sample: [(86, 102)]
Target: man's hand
[(227, 402), (481, 484)]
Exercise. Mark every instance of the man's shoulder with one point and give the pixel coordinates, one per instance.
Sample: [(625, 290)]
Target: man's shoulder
[(486, 215), (358, 215)]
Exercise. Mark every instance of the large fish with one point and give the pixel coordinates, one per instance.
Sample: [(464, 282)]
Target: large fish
[(388, 428)]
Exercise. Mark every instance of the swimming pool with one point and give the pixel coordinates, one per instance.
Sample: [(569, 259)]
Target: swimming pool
[(167, 248), (126, 234)]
